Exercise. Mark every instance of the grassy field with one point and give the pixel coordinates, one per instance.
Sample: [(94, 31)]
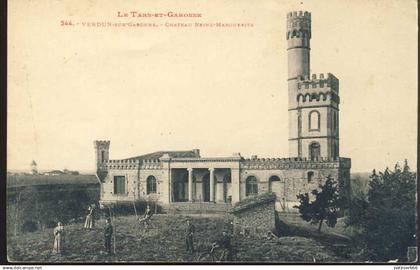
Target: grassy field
[(165, 243)]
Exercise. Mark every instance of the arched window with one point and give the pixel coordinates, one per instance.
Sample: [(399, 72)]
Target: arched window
[(151, 184), (314, 150), (310, 176), (314, 121), (274, 178), (251, 186), (103, 155)]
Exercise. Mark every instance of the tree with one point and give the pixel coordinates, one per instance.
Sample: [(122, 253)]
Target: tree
[(357, 209), (387, 219), (324, 207)]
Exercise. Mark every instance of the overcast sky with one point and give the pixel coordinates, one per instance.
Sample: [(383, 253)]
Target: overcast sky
[(222, 90)]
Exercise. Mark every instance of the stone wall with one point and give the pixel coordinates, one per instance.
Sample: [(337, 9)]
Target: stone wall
[(131, 185), (292, 183), (257, 219)]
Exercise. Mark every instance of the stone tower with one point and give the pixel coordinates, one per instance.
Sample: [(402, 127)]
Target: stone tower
[(101, 153), (34, 169), (313, 99)]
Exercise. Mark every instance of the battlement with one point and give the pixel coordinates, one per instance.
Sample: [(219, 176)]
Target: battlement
[(299, 14), (295, 163), (288, 160), (299, 25), (132, 164), (319, 81), (122, 164), (101, 143)]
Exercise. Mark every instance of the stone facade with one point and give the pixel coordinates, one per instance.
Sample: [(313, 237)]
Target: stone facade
[(169, 177), (313, 100)]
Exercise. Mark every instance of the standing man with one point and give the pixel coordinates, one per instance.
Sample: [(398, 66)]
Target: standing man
[(109, 230), (225, 244), (189, 236)]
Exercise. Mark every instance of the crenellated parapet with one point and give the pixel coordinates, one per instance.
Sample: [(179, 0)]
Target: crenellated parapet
[(319, 81), (322, 87), (299, 24), (294, 163), (121, 164), (132, 164), (151, 164)]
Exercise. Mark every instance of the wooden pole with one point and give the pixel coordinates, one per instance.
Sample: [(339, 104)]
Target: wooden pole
[(111, 213), (135, 210), (115, 230), (155, 208)]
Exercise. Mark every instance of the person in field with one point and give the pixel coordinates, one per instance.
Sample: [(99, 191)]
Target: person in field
[(224, 243), (58, 238), (145, 220), (108, 231), (89, 222), (189, 234)]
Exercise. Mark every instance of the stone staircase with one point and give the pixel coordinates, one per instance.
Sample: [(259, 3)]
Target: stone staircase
[(196, 208)]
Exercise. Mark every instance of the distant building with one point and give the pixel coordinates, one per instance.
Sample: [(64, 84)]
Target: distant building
[(176, 177), (34, 169), (54, 172)]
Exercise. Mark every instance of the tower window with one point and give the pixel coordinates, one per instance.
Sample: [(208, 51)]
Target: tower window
[(335, 121), (310, 177), (119, 185), (334, 150), (251, 186), (314, 121), (102, 155), (151, 184), (314, 151)]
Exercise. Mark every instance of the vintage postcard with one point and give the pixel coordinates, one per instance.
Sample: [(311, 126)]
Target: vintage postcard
[(225, 132)]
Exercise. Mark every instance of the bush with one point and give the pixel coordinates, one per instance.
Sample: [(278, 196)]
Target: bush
[(46, 205)]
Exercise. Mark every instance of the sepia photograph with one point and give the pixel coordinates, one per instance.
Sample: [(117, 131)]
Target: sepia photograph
[(212, 132)]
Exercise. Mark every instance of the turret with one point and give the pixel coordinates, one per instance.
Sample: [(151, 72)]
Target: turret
[(101, 155), (298, 43)]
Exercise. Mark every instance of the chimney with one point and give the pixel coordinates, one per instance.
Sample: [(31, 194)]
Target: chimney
[(196, 152)]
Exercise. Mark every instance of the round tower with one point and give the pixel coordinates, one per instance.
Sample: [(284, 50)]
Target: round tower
[(298, 43), (298, 35)]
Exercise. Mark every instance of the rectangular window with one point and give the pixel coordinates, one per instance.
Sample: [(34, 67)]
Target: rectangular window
[(119, 185)]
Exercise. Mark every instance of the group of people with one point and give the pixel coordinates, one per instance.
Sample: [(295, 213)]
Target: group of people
[(224, 243), (89, 224)]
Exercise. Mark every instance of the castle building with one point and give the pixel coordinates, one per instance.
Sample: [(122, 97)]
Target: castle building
[(185, 178)]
